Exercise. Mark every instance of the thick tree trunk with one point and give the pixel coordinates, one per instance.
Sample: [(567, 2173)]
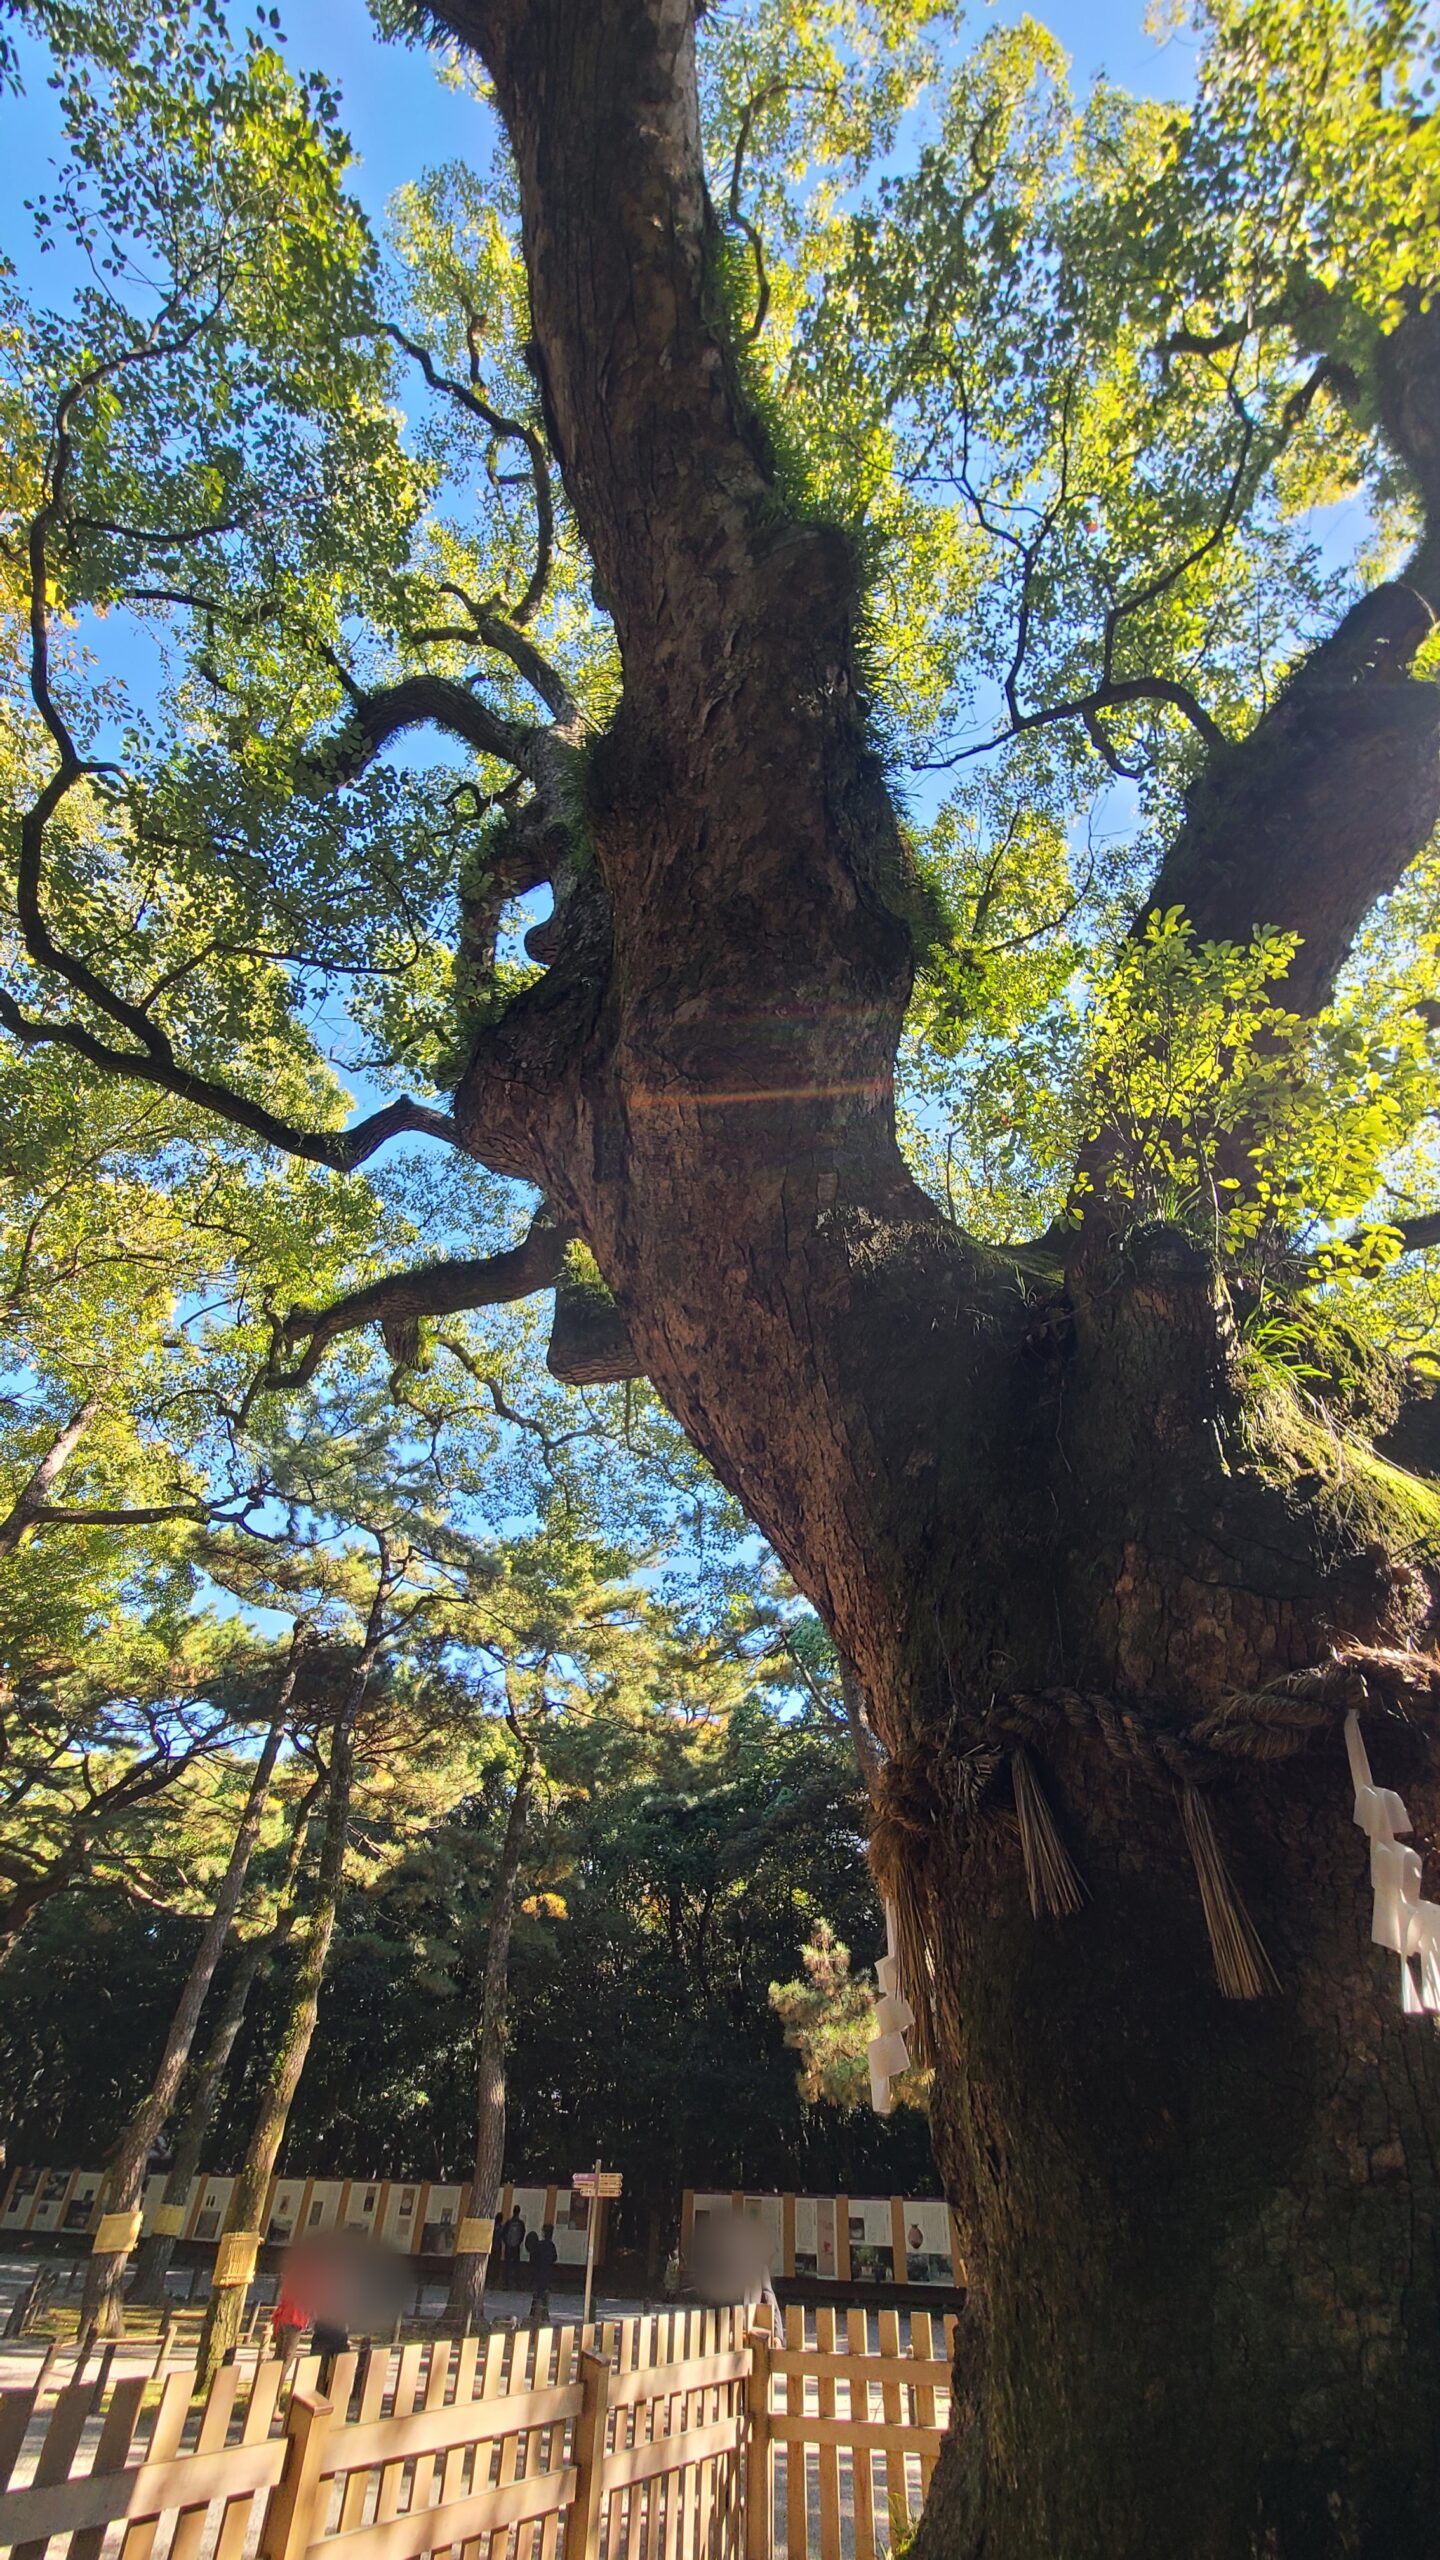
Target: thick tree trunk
[(465, 2305), (1033, 1507), (220, 2333), (158, 2247), (125, 2182), (1204, 2235)]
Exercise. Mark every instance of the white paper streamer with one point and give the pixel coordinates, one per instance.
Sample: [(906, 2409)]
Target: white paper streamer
[(1395, 1875), (1356, 1753), (1425, 1944), (889, 2056), (1380, 1812), (888, 2052), (1400, 1920)]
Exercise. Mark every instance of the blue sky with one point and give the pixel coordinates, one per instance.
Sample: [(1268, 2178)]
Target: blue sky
[(401, 117)]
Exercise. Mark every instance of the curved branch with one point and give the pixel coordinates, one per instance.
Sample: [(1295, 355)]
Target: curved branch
[(1416, 1234), (753, 104), (343, 1150), (154, 1061), (469, 396), (175, 539), (31, 1498), (418, 702), (397, 1302), (1086, 707), (494, 631)]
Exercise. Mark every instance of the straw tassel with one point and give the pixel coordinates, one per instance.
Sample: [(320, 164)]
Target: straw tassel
[(1051, 1876), (1242, 1967)]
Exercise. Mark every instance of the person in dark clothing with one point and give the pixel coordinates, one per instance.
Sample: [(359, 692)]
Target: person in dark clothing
[(512, 2241), (544, 2257)]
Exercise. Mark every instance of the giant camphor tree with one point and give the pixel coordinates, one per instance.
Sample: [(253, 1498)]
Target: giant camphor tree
[(1088, 454)]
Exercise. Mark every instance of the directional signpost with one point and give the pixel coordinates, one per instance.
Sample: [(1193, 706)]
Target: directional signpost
[(600, 2185)]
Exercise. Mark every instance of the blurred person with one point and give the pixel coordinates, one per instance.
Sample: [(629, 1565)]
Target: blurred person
[(544, 2258), (730, 2262), (291, 2315), (512, 2242), (341, 2282)]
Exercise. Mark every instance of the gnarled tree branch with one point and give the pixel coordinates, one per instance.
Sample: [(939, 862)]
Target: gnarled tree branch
[(402, 1298), (470, 397), (342, 1149)]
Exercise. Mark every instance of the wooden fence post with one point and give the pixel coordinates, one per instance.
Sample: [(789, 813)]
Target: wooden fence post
[(290, 2517), (759, 2494), (582, 2525)]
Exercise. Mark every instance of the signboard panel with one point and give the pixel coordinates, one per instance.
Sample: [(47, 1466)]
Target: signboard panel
[(927, 2243), (769, 2212), (398, 2221), (881, 2238), (286, 2203), (572, 2226), (586, 2183), (872, 2239)]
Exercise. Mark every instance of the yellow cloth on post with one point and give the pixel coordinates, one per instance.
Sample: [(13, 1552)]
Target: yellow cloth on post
[(169, 2221), (475, 2234), (116, 2231), (235, 2257)]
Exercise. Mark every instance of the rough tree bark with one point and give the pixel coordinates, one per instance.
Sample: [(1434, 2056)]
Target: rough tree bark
[(220, 2332), (125, 2181), (465, 2305), (1204, 2234), (156, 2250)]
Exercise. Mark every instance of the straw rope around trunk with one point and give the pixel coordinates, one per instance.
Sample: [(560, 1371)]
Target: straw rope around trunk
[(945, 1776)]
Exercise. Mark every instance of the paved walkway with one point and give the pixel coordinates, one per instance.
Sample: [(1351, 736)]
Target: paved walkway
[(20, 2358)]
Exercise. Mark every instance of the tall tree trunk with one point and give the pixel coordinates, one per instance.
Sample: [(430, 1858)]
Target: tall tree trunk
[(1040, 1510), (125, 2182), (225, 2314), (158, 2247), (465, 2306)]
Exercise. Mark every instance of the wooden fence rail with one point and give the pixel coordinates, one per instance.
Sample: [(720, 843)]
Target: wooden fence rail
[(687, 2436)]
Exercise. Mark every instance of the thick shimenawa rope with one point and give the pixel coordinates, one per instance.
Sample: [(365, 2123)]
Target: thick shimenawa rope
[(951, 1772)]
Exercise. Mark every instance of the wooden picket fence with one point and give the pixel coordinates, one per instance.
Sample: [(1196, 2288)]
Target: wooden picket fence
[(684, 2436)]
